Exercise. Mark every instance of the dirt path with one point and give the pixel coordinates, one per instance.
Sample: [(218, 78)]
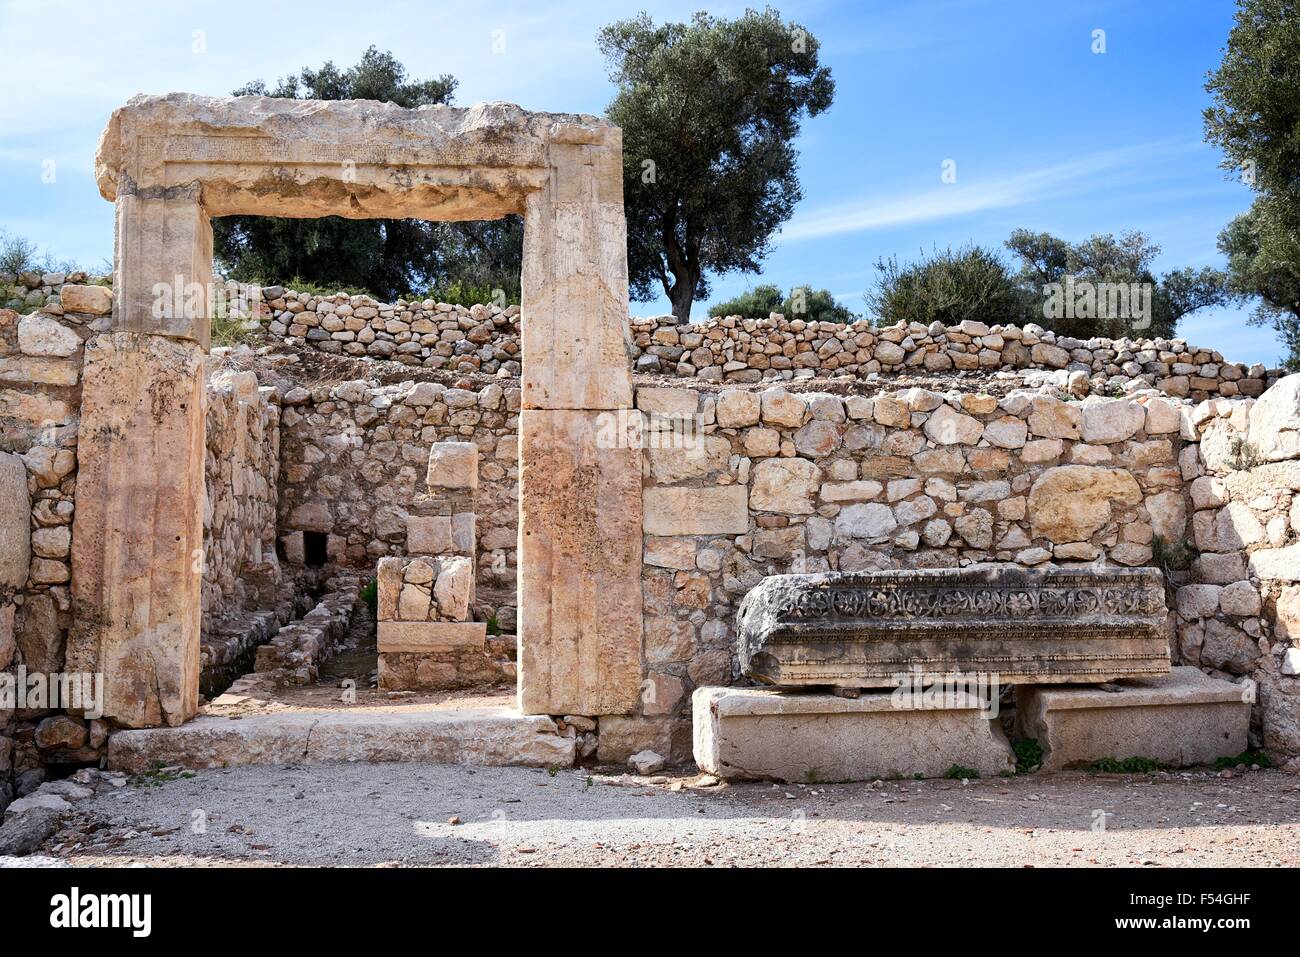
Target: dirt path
[(367, 815)]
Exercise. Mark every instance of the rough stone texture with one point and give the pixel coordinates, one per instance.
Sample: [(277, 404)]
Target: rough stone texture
[(580, 566), (696, 511), (1070, 502), (15, 525), (484, 736), (1274, 421), (453, 465), (746, 733), (1047, 625), (1182, 718), (139, 526)]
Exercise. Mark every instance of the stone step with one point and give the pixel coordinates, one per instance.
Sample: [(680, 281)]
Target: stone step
[(493, 736)]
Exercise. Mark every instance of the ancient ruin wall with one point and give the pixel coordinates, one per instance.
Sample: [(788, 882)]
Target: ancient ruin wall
[(1240, 615), (242, 484), (486, 338), (354, 458), (40, 394)]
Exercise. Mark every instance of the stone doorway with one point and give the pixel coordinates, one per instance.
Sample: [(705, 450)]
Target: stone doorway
[(169, 164)]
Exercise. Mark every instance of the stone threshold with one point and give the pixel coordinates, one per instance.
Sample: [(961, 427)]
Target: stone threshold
[(493, 735)]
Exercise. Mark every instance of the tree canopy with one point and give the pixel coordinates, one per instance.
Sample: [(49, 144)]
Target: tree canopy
[(1255, 119), (710, 110), (803, 302), (386, 257)]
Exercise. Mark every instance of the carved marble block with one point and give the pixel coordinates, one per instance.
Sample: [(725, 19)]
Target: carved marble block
[(1024, 625)]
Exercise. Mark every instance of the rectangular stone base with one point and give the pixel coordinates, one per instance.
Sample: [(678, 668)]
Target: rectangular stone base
[(755, 733), (1182, 718)]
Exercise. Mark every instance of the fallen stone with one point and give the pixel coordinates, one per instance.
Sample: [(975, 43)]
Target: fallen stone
[(24, 833), (646, 762)]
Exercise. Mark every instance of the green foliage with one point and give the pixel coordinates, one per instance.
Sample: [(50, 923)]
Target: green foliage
[(233, 331), (959, 772), (370, 595), (493, 626), (387, 258), (804, 302), (1248, 758), (1029, 755), (1254, 118), (948, 286), (1103, 258), (1172, 556), (1134, 765), (709, 110)]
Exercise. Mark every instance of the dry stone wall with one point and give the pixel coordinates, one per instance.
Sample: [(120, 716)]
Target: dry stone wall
[(1240, 614), (40, 393), (747, 483), (486, 338), (354, 466)]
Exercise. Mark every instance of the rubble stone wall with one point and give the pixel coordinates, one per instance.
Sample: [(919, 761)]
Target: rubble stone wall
[(486, 338), (40, 394), (775, 482), (354, 460), (1240, 613)]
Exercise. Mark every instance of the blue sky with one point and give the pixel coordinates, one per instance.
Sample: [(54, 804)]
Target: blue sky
[(1045, 133)]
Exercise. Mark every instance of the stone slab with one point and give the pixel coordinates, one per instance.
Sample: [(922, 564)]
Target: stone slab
[(424, 636), (761, 733), (491, 736), (15, 525), (716, 510), (579, 565), (1039, 625), (1182, 718), (138, 532)]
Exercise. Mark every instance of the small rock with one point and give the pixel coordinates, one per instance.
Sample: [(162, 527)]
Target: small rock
[(646, 762)]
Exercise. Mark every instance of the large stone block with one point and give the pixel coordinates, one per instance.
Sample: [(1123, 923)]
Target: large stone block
[(137, 541), (453, 465), (713, 510), (1025, 625), (579, 565), (1070, 502), (15, 525), (1182, 718), (754, 733), (426, 636)]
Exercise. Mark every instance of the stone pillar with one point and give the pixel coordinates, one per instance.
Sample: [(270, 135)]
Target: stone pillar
[(138, 533), (580, 474), (162, 275)]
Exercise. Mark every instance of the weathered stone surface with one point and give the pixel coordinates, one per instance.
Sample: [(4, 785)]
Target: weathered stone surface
[(1043, 625), (737, 409), (1106, 421), (492, 736), (1182, 718), (39, 335), (1276, 564), (716, 510), (750, 733), (24, 833), (139, 526), (784, 485), (15, 525), (92, 300), (1274, 425), (453, 465), (579, 567), (946, 426), (1069, 503), (426, 636)]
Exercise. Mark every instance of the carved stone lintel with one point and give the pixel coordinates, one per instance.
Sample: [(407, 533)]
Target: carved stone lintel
[(870, 629)]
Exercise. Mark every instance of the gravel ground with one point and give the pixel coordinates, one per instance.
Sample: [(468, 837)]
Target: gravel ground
[(410, 814)]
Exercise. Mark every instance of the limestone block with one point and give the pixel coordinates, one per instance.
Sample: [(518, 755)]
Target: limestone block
[(737, 409), (1274, 425), (139, 526), (1276, 564), (1182, 718), (1069, 503), (15, 525), (580, 539), (749, 733), (39, 335), (428, 534), (453, 465), (716, 510), (454, 587), (429, 636), (1107, 420), (785, 485), (92, 300)]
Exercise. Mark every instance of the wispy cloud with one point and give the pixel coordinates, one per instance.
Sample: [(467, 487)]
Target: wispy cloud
[(974, 194)]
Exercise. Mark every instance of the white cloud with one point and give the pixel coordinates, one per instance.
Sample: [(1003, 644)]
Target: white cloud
[(973, 194)]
